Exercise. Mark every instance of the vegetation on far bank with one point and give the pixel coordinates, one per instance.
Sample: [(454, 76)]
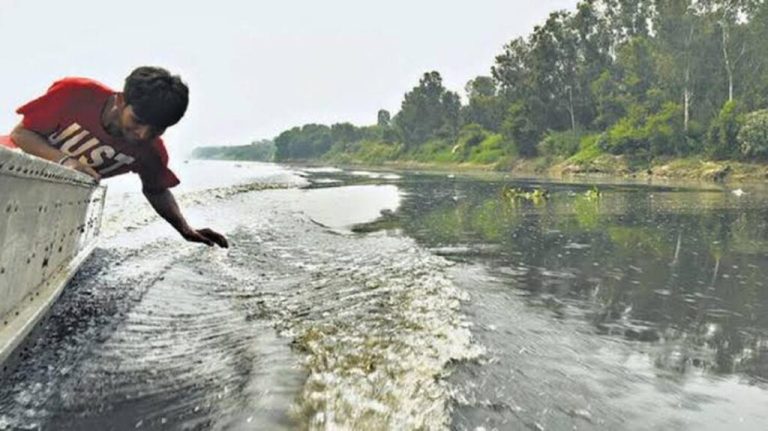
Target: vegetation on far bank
[(262, 151), (616, 86)]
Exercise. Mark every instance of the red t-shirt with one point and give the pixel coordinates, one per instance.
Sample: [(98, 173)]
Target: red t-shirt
[(69, 115)]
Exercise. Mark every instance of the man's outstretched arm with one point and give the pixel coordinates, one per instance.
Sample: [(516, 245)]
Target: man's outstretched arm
[(165, 204)]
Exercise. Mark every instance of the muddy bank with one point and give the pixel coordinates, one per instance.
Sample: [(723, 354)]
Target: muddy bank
[(606, 165)]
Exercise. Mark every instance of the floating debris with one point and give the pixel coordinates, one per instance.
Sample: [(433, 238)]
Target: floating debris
[(593, 194), (536, 196)]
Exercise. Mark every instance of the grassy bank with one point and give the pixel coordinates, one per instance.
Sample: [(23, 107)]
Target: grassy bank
[(688, 169), (691, 168)]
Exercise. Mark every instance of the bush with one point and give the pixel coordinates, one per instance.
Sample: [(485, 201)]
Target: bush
[(434, 150), (589, 149), (645, 134), (367, 151), (377, 152), (722, 136), (518, 128), (753, 135), (564, 144), (469, 137), (627, 134), (664, 131), (490, 150)]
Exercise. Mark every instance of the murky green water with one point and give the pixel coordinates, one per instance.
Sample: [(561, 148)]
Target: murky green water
[(645, 307)]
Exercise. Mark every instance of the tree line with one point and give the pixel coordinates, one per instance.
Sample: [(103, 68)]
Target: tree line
[(263, 151), (644, 78)]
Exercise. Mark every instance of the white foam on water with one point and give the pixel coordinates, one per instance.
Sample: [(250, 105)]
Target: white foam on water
[(376, 175), (203, 183), (377, 319), (323, 170)]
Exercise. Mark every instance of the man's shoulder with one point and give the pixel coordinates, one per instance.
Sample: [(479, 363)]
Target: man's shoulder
[(76, 83)]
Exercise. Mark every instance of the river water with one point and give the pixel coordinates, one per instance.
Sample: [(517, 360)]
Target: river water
[(369, 300)]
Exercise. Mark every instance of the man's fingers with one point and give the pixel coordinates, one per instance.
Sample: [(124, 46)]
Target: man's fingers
[(90, 171), (219, 239), (202, 237), (222, 242), (207, 237), (205, 241), (80, 167), (216, 237)]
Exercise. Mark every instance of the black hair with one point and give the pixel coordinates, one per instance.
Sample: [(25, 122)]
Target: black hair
[(158, 98)]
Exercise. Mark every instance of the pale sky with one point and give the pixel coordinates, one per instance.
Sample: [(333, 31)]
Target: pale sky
[(257, 68)]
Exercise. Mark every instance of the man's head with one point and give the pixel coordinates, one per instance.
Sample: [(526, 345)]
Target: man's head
[(152, 101)]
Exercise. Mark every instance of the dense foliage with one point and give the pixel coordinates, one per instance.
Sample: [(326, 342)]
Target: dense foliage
[(263, 151), (641, 78), (753, 136)]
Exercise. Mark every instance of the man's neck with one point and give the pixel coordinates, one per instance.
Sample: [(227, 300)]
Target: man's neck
[(109, 117)]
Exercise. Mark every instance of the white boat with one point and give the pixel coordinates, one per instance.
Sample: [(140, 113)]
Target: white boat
[(50, 218)]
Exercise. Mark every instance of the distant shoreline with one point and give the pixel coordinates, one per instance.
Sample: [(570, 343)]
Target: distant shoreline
[(687, 169)]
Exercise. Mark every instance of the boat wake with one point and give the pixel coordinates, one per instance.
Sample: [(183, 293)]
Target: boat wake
[(294, 326)]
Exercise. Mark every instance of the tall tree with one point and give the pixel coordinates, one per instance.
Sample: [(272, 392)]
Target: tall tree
[(483, 106), (512, 71), (594, 56), (428, 111), (553, 60), (676, 28), (383, 118), (731, 18), (627, 19)]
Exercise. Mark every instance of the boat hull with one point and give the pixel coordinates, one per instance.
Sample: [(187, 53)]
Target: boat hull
[(50, 218)]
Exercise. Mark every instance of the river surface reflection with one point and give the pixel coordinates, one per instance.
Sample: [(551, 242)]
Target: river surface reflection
[(615, 306)]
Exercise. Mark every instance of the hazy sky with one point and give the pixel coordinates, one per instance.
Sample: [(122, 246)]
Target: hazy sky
[(256, 68)]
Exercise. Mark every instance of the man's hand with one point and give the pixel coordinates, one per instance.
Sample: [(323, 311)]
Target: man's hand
[(76, 165), (36, 144), (165, 204), (206, 236)]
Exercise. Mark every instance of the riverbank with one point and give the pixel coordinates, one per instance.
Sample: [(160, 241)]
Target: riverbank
[(693, 168), (605, 165)]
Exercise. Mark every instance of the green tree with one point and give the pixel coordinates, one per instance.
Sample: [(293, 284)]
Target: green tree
[(428, 111), (751, 75), (678, 30), (345, 133), (628, 19), (484, 107), (307, 142), (723, 131), (553, 60), (594, 57), (512, 72), (625, 84), (520, 131), (383, 118), (730, 17)]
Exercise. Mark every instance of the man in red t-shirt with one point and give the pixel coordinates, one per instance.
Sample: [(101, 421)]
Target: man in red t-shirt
[(86, 126)]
